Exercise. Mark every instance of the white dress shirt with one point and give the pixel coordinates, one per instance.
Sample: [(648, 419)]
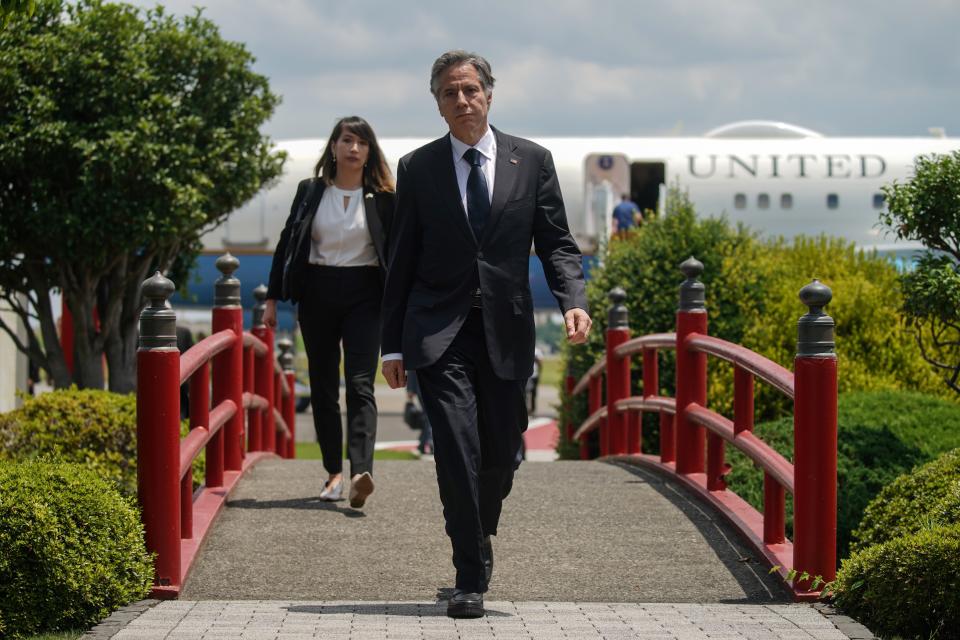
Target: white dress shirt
[(339, 235), (487, 146)]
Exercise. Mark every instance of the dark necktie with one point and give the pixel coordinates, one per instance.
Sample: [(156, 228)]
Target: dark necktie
[(478, 197)]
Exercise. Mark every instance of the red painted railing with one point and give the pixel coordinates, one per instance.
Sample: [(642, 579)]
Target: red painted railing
[(693, 437), (241, 411)]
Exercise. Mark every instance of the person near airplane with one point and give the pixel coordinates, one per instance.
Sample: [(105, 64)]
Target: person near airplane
[(331, 260)]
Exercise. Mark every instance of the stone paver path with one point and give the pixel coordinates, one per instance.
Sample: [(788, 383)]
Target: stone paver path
[(296, 620)]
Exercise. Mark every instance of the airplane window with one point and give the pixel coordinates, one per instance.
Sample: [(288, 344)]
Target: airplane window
[(763, 201), (833, 201), (740, 201), (878, 201), (786, 201)]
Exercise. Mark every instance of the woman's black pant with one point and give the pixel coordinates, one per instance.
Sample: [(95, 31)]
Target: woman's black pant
[(342, 304)]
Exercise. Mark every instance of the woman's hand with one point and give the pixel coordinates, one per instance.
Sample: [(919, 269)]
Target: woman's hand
[(270, 314)]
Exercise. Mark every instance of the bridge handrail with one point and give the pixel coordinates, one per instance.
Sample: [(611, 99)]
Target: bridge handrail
[(760, 366), (688, 429), (203, 352), (758, 451), (649, 341), (593, 372), (198, 437), (253, 416)]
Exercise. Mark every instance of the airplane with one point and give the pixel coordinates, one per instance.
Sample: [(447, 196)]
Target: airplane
[(779, 179)]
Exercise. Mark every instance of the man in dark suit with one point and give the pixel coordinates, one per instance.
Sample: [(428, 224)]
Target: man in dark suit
[(457, 306)]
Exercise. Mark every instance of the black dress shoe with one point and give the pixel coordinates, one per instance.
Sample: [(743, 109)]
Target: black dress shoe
[(488, 558), (465, 605)]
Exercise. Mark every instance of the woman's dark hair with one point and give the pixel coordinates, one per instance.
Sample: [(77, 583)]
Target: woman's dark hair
[(376, 173)]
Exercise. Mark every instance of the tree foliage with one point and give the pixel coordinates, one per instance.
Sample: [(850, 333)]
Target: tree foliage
[(926, 208), (125, 134)]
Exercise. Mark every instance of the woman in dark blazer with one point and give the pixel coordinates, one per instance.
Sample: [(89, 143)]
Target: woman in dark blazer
[(331, 261)]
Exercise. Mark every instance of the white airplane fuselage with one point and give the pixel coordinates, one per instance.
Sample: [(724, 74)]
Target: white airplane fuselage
[(778, 186)]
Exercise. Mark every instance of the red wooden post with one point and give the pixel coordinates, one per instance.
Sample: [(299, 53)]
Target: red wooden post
[(263, 371), (289, 403), (158, 430), (691, 369), (634, 434), (228, 365), (199, 417), (618, 372), (774, 510), (668, 438), (594, 401), (253, 415), (568, 384), (815, 439), (66, 332)]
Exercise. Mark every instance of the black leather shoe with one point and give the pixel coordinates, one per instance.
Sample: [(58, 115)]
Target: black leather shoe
[(488, 558), (465, 605)]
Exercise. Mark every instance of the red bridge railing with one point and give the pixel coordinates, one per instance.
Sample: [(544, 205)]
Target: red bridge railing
[(241, 411), (693, 437)]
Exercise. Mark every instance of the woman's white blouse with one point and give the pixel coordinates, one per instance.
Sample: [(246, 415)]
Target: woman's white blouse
[(339, 234)]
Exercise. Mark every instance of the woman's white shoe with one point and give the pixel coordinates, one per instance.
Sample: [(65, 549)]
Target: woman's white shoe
[(332, 493), (361, 486)]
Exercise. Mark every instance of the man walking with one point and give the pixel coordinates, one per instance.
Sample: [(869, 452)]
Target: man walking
[(457, 305)]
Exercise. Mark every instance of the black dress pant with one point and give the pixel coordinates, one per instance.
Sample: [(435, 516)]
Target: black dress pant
[(342, 304), (478, 421)]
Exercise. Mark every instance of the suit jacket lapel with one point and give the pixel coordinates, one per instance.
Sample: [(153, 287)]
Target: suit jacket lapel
[(446, 181), (374, 225), (508, 165)]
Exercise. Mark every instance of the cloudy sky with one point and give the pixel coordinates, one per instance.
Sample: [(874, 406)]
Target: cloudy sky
[(609, 67)]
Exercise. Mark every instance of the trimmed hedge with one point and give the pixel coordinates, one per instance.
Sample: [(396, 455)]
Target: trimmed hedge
[(71, 548), (91, 427), (880, 434), (929, 496), (907, 587)]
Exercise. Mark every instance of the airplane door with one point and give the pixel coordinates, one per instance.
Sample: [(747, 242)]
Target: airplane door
[(648, 185), (606, 177)]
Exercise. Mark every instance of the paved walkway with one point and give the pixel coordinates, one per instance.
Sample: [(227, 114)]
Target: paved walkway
[(586, 550)]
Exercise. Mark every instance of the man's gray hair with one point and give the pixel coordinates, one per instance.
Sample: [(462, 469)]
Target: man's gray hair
[(456, 58)]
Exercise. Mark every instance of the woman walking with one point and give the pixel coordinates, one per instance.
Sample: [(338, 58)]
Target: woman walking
[(331, 261)]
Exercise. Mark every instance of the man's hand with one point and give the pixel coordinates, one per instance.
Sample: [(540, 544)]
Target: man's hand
[(394, 373), (270, 314), (578, 325)]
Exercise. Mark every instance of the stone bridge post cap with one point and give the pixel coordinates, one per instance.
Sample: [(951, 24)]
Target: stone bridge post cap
[(285, 345), (692, 268), (693, 295), (815, 329), (157, 288), (816, 295), (227, 264), (260, 293), (158, 322), (617, 314), (226, 290)]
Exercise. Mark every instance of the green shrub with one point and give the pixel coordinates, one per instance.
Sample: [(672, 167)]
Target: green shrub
[(646, 265), (94, 428), (71, 548), (927, 496), (880, 435), (907, 587)]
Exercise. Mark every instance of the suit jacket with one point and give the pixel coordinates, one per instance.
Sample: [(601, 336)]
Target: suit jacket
[(378, 208), (436, 262)]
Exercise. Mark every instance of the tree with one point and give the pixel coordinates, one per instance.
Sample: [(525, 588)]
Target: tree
[(926, 208), (10, 7), (124, 135)]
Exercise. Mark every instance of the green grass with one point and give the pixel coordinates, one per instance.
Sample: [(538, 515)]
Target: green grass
[(62, 635), (311, 451), (551, 371)]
